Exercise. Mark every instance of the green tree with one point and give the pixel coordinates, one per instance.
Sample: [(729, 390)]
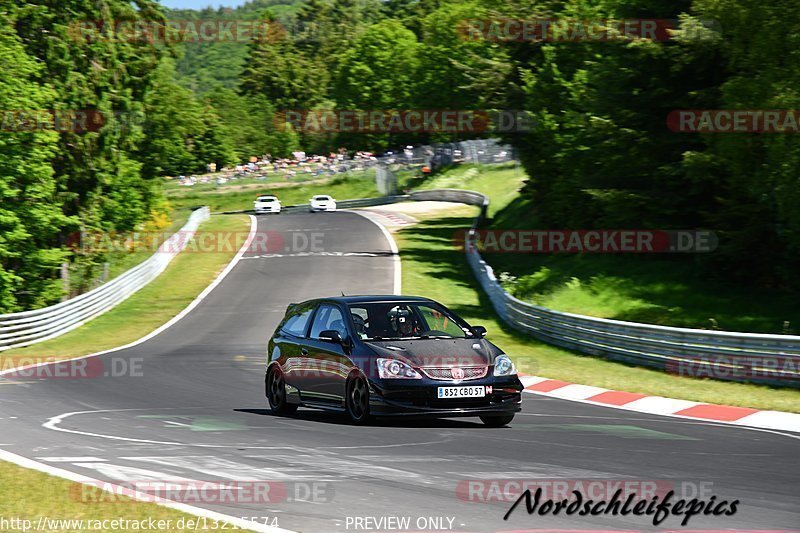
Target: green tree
[(278, 70), (30, 219), (173, 122)]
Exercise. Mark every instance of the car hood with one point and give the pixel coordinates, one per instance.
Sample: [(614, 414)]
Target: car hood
[(438, 352)]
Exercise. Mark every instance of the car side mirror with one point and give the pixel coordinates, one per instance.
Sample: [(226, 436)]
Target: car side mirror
[(330, 335), (480, 331)]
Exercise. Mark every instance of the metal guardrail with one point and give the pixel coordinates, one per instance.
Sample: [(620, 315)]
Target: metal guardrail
[(29, 327), (345, 204), (751, 357)]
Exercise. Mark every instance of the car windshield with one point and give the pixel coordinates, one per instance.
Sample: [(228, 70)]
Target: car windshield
[(267, 199), (322, 198), (405, 321)]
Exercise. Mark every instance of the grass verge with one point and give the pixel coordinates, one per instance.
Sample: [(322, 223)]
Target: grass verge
[(665, 289), (28, 495), (185, 277), (433, 267)]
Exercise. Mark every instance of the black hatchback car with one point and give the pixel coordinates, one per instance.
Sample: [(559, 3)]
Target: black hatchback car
[(388, 355)]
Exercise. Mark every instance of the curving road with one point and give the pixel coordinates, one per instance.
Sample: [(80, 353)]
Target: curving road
[(196, 410)]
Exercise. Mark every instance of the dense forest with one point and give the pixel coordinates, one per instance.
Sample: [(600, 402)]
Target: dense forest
[(600, 153)]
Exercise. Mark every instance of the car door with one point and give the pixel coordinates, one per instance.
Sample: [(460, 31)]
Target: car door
[(291, 344), (329, 358)]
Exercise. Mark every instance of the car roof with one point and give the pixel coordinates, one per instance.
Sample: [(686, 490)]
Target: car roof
[(360, 299)]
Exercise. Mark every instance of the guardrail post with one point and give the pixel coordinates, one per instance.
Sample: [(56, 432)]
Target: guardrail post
[(65, 281)]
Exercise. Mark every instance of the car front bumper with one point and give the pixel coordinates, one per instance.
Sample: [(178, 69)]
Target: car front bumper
[(419, 397)]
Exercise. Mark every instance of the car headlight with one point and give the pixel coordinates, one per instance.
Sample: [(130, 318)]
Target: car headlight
[(504, 366), (394, 369)]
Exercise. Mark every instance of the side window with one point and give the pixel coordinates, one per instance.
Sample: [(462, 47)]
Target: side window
[(328, 317), (296, 324)]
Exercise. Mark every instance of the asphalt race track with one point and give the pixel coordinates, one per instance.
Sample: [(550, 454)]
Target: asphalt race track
[(197, 411)]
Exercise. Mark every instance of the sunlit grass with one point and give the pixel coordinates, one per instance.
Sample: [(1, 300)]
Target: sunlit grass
[(651, 288), (28, 494), (433, 267)]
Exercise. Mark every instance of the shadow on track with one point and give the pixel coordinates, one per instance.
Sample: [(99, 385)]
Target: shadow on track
[(326, 417)]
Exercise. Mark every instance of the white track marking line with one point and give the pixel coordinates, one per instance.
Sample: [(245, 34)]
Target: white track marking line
[(137, 495), (194, 303), (215, 466), (53, 424), (130, 473), (70, 459), (397, 282)]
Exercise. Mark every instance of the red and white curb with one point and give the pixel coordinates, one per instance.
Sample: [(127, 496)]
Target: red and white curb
[(631, 401), (387, 218)]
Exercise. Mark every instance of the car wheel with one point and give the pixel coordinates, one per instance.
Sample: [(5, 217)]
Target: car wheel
[(276, 393), (497, 421), (357, 400)]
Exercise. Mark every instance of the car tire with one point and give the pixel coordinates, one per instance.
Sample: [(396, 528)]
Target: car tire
[(276, 393), (497, 421), (357, 400)]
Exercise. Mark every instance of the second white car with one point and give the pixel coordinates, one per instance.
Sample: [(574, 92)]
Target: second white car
[(267, 204), (321, 202)]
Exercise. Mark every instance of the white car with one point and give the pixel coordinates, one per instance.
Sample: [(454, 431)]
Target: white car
[(322, 202), (267, 204)]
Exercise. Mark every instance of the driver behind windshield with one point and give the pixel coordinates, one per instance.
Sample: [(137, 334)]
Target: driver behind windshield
[(393, 320), (403, 322)]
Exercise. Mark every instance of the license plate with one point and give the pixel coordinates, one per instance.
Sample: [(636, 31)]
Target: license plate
[(476, 391)]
